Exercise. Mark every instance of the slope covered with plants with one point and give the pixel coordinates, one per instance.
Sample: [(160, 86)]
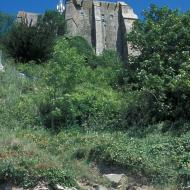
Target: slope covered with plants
[(61, 115)]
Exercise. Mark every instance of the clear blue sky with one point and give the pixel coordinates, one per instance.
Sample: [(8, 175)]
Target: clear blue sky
[(39, 6)]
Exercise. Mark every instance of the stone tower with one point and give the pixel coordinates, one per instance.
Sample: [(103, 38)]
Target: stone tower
[(102, 24), (79, 18)]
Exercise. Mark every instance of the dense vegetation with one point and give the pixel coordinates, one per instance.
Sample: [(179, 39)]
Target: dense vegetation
[(5, 22), (34, 43), (78, 108), (161, 72)]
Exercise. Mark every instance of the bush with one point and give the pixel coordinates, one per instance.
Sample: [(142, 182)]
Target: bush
[(17, 105), (161, 71), (70, 99), (110, 69), (25, 162), (25, 43)]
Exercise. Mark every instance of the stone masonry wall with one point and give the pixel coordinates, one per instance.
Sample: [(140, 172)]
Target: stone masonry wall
[(102, 24), (27, 17), (79, 19)]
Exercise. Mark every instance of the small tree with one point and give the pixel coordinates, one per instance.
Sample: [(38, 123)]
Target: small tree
[(25, 43), (28, 43), (54, 22)]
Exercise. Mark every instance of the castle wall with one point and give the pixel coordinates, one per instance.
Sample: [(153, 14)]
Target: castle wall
[(102, 24), (106, 25), (72, 19), (78, 18)]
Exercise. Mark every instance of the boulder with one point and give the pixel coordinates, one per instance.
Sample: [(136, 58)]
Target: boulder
[(42, 186), (59, 187), (118, 181), (115, 178), (134, 188), (140, 188), (100, 187), (1, 68)]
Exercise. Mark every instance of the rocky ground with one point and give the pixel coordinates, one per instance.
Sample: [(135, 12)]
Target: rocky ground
[(117, 182)]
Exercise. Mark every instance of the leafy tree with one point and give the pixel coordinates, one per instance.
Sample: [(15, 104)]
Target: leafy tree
[(64, 71), (25, 43), (28, 43), (108, 67), (78, 94), (161, 73), (53, 22)]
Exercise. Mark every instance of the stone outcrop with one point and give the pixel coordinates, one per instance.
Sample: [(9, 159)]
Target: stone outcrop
[(40, 186), (102, 24)]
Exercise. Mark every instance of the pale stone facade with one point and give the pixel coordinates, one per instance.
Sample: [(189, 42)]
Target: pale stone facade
[(1, 65), (102, 24), (29, 18)]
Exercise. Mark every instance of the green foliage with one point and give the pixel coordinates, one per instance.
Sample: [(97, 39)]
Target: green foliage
[(5, 23), (26, 43), (110, 69), (25, 163), (157, 158), (17, 104), (161, 71), (87, 99), (77, 93), (53, 22), (82, 47)]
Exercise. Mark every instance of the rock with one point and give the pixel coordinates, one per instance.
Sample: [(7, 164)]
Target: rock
[(119, 181), (1, 68), (22, 75), (144, 187), (100, 187), (115, 178), (134, 188), (59, 187), (140, 188), (186, 188), (42, 186)]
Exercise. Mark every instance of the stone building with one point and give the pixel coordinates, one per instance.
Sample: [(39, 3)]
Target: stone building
[(29, 18), (102, 24)]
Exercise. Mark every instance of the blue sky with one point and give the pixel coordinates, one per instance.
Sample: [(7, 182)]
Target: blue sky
[(39, 6)]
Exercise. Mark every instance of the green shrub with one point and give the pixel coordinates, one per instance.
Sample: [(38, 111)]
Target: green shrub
[(161, 71), (70, 99), (25, 43), (17, 104), (110, 69)]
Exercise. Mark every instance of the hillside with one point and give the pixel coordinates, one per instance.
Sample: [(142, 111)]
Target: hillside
[(70, 118)]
